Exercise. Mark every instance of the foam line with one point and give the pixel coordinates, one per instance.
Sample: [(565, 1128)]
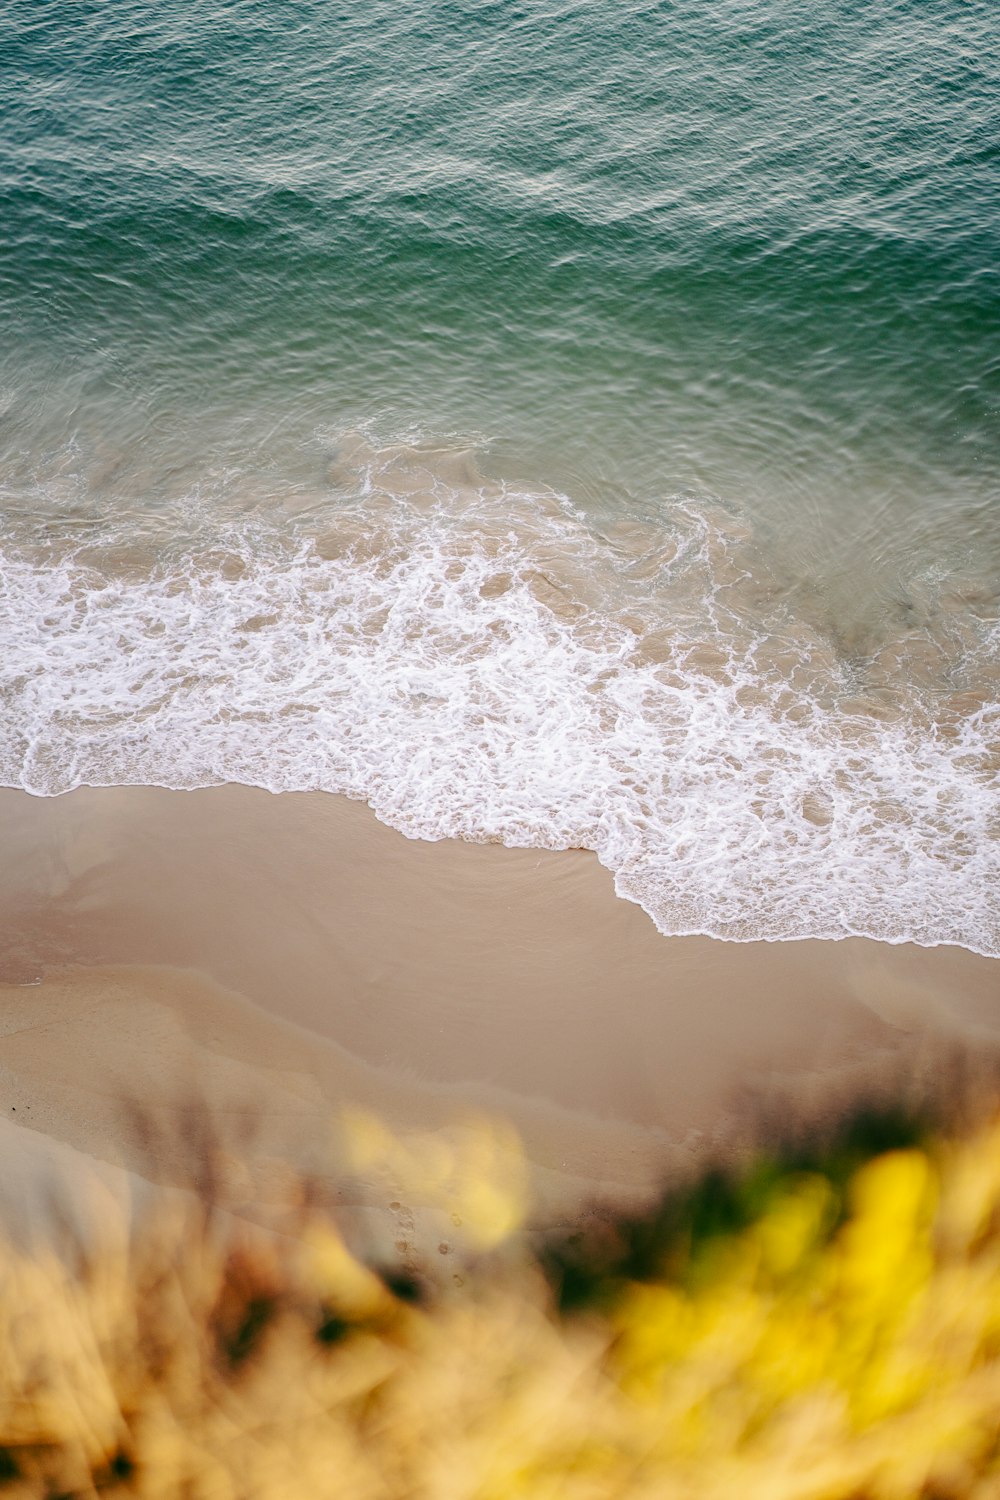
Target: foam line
[(436, 671)]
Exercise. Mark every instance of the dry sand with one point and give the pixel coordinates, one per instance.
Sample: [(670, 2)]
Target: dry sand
[(256, 963)]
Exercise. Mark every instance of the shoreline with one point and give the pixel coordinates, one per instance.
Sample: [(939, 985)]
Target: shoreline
[(294, 952)]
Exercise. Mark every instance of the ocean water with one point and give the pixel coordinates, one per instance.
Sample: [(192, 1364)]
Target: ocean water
[(555, 422)]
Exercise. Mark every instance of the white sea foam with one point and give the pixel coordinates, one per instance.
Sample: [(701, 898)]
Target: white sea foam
[(461, 672)]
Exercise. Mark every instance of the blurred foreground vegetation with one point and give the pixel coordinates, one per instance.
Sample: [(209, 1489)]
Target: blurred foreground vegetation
[(824, 1324)]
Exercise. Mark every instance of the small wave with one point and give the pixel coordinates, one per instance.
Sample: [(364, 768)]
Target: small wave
[(479, 664)]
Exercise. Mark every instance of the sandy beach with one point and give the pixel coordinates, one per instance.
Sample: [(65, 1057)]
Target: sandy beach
[(265, 962)]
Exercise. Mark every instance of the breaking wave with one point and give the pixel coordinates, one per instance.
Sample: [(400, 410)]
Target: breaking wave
[(484, 664)]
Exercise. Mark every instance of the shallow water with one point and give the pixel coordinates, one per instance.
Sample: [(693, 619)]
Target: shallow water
[(556, 424)]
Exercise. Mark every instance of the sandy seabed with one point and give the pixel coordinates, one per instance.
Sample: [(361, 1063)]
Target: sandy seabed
[(267, 961)]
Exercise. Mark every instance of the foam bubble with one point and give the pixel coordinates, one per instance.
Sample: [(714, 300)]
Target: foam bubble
[(497, 672)]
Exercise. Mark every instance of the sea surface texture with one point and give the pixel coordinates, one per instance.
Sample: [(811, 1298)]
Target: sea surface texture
[(558, 422)]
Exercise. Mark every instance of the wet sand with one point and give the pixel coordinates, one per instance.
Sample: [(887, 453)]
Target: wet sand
[(265, 961)]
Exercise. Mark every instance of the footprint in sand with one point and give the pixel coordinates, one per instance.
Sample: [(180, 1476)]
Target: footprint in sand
[(405, 1226)]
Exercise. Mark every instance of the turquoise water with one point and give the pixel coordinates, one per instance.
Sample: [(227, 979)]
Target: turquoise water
[(560, 423)]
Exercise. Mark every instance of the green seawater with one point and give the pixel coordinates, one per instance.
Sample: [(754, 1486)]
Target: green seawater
[(746, 247), (737, 260)]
